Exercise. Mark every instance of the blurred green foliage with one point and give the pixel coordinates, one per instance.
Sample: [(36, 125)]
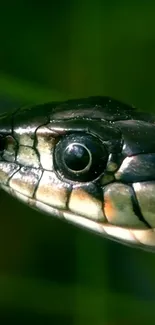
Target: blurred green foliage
[(51, 272)]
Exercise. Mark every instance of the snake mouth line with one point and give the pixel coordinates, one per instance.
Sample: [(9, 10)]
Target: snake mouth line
[(137, 238)]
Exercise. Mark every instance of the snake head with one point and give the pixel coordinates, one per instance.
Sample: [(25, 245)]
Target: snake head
[(90, 162)]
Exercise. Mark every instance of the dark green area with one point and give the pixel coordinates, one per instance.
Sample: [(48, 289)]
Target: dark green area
[(52, 272)]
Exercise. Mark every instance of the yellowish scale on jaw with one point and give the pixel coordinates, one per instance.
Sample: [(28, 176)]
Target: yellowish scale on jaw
[(84, 204), (52, 191), (145, 193), (7, 169), (25, 181), (118, 207)]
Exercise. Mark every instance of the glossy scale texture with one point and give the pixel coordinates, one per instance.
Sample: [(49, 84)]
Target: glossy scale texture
[(118, 199)]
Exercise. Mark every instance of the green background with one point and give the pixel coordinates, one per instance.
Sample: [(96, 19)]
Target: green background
[(52, 272)]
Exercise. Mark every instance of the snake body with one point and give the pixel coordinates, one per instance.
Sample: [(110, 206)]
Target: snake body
[(89, 161)]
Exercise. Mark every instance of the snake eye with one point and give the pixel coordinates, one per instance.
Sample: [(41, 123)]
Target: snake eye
[(80, 157)]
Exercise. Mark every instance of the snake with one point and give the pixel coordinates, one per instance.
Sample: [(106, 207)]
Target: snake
[(88, 161)]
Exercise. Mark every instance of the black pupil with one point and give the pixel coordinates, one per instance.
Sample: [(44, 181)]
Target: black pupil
[(76, 157)]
